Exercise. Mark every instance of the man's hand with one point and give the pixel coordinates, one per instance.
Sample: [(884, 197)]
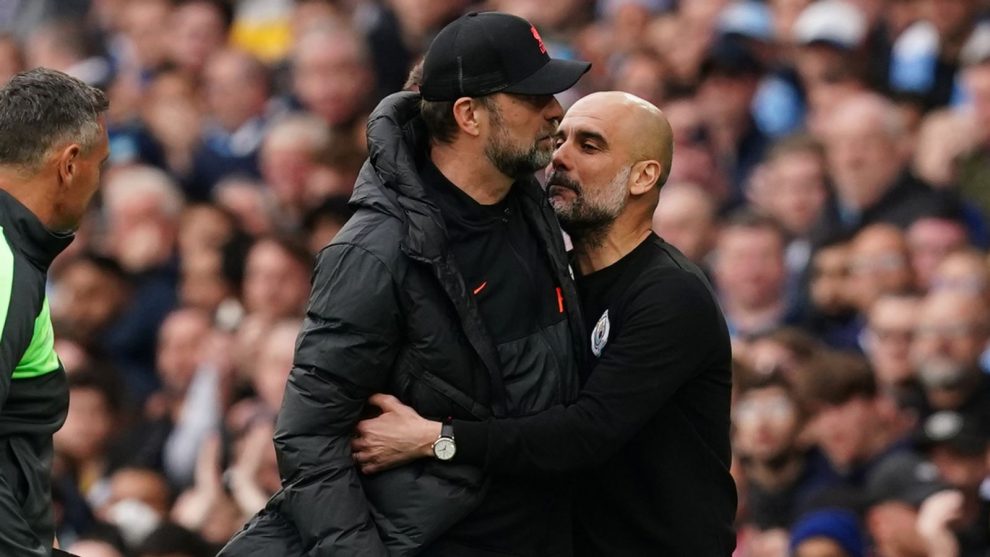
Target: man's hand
[(399, 435), (935, 519)]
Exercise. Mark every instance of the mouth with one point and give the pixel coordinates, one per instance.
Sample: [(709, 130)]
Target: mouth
[(560, 190)]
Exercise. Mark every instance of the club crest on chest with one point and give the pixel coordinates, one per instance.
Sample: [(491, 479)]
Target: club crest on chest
[(599, 336)]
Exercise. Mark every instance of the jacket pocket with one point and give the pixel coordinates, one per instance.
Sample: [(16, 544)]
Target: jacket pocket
[(431, 395)]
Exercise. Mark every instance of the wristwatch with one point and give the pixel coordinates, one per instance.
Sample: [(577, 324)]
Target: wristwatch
[(444, 447)]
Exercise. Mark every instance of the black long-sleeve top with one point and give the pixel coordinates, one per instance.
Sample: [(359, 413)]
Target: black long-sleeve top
[(650, 430)]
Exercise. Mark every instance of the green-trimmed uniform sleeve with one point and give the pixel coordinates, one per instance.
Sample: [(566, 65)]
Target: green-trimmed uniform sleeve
[(8, 351), (16, 535)]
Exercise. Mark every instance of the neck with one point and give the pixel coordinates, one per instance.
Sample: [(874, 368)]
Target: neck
[(595, 251), (472, 173), (32, 192)]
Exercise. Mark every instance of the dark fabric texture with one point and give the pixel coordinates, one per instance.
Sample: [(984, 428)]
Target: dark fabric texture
[(31, 409), (650, 430), (390, 312)]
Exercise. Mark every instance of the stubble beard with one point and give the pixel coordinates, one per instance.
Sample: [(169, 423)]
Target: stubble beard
[(511, 160), (588, 223)]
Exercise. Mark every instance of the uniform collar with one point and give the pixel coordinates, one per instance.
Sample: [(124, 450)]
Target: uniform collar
[(35, 240)]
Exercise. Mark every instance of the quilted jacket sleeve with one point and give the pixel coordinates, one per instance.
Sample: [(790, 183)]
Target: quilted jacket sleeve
[(343, 354)]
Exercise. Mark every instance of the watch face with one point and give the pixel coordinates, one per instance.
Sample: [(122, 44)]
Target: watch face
[(444, 448)]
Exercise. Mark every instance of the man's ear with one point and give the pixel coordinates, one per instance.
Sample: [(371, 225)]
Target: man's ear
[(68, 162), (468, 116), (644, 177)]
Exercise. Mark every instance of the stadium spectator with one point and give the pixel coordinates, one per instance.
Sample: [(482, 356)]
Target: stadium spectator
[(750, 275)]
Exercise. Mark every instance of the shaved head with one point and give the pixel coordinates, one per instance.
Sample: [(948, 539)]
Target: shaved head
[(613, 153), (641, 127)]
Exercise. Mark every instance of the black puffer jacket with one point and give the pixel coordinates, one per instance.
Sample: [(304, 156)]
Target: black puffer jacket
[(390, 312)]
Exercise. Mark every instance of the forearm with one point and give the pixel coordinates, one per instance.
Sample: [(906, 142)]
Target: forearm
[(561, 439)]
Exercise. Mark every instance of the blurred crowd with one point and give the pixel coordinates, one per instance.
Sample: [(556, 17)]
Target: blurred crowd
[(831, 174)]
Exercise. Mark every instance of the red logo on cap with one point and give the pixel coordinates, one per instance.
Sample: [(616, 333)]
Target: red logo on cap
[(536, 35)]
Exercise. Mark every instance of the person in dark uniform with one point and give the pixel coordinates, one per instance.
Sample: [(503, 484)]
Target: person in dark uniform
[(53, 143), (650, 429)]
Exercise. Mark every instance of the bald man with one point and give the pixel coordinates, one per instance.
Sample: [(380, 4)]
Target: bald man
[(650, 430), (864, 147)]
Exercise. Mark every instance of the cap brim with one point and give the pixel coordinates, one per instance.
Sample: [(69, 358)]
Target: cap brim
[(555, 76)]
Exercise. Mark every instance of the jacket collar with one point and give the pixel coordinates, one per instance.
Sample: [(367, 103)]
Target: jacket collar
[(396, 134), (38, 243)]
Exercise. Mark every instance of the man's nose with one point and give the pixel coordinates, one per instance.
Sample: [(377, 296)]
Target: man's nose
[(560, 159)]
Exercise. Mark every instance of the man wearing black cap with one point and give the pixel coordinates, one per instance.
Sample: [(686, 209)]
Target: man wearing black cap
[(957, 522), (448, 289), (649, 433)]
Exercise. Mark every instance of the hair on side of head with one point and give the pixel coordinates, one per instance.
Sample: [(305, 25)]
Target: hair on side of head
[(41, 109)]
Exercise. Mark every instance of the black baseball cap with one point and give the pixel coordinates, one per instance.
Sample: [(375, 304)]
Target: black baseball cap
[(490, 52), (960, 431)]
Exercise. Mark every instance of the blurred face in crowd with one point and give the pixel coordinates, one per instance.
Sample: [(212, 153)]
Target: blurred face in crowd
[(141, 235), (944, 139), (726, 97), (770, 353), (793, 190), (171, 110), (236, 88), (274, 363), (288, 159), (420, 17), (551, 15), (976, 80), (845, 431), (197, 31), (202, 284), (250, 203), (142, 24), (963, 471), (695, 159), (951, 335), (276, 285), (88, 426), (878, 264), (520, 140), (930, 241), (685, 217), (180, 341), (642, 75), (887, 338), (330, 75), (766, 423), (749, 266), (203, 228), (963, 271), (863, 150), (87, 298), (829, 279), (139, 485)]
